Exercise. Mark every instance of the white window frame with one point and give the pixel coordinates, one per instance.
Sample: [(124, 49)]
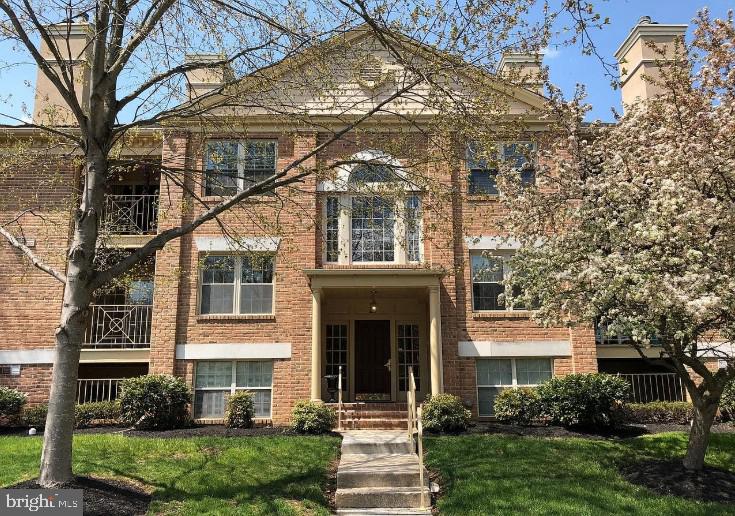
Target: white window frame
[(237, 285), (500, 156), (504, 255), (241, 148), (233, 385), (400, 229), (514, 373)]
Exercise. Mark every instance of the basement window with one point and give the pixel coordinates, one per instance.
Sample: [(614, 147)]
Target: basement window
[(216, 380)]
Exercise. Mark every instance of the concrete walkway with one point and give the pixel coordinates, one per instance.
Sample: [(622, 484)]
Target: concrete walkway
[(378, 473)]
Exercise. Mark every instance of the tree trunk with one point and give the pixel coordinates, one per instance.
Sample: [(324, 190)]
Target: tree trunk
[(704, 415), (56, 457)]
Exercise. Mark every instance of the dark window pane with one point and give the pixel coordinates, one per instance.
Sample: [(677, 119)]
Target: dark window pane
[(483, 181), (485, 296)]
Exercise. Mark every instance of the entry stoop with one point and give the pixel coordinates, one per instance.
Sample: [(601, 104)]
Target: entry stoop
[(373, 416), (378, 473)]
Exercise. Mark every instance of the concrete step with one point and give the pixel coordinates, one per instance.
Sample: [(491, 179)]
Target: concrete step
[(380, 442), (381, 511), (374, 497), (392, 470), (374, 424)]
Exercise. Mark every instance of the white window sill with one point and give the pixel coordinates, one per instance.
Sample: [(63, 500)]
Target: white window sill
[(477, 197), (502, 314), (236, 317)]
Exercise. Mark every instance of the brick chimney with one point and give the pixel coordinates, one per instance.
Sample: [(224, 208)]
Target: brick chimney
[(636, 58), (523, 67), (204, 80), (71, 40)]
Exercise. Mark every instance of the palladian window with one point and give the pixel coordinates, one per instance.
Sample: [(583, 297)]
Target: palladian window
[(372, 216)]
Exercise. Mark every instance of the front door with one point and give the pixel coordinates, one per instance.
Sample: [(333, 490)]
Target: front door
[(372, 360)]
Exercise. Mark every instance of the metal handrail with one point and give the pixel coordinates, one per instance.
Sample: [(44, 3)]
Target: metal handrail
[(416, 427), (135, 214), (119, 326), (97, 389), (339, 400)]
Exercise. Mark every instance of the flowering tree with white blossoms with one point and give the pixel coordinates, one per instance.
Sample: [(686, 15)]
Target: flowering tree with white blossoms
[(633, 225)]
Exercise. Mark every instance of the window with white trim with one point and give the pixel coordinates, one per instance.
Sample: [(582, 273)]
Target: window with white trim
[(489, 272), (215, 380), (232, 166), (237, 284), (496, 374), (482, 165)]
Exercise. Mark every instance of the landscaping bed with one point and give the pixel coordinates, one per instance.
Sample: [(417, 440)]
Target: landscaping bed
[(104, 497)]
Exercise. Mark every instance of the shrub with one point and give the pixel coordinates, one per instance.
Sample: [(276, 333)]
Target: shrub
[(35, 416), (155, 402), (588, 400), (312, 417), (240, 410), (669, 412), (445, 413), (727, 401), (86, 413), (517, 406), (11, 404)]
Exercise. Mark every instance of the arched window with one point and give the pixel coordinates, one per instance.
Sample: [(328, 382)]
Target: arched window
[(367, 225)]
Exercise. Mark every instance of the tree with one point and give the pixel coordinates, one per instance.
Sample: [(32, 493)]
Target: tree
[(632, 227), (138, 77)]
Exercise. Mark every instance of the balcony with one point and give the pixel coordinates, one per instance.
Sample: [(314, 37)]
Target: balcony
[(92, 390), (648, 387), (119, 327), (135, 214)]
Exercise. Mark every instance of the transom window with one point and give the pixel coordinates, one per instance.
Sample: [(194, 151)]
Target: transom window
[(216, 380), (237, 284), (232, 166), (494, 375), (488, 274), (482, 165)]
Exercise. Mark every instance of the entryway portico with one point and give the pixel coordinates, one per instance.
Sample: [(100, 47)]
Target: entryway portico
[(375, 323)]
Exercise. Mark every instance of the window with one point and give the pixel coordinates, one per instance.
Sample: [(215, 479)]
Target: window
[(482, 166), (231, 166), (214, 381), (494, 375), (488, 275), (413, 228), (408, 355), (332, 229), (337, 351), (373, 230), (372, 173), (251, 276)]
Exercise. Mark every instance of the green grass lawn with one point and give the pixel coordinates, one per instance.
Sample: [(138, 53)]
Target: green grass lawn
[(201, 475), (504, 475)]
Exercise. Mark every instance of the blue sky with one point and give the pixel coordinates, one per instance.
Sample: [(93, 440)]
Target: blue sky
[(568, 66)]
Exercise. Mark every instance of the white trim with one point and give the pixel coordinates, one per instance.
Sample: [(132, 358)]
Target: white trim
[(227, 244), (648, 29), (341, 182), (518, 348), (492, 243), (259, 351), (27, 356)]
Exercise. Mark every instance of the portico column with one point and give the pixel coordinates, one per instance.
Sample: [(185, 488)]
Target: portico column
[(316, 344), (435, 341)]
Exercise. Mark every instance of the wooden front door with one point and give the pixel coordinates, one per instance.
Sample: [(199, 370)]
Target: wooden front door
[(372, 359)]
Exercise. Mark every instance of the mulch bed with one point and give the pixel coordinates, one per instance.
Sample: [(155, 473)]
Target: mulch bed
[(671, 478), (193, 431), (622, 432), (104, 497)]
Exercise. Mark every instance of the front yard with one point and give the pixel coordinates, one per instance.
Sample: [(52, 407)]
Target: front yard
[(501, 474), (200, 475)]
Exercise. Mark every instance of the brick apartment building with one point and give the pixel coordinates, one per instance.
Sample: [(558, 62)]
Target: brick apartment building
[(335, 287)]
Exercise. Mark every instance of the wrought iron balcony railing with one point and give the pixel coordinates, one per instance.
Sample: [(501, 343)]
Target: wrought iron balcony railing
[(131, 214), (648, 387), (90, 390), (119, 327)]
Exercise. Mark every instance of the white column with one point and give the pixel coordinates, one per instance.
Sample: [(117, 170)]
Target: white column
[(435, 341), (316, 344)]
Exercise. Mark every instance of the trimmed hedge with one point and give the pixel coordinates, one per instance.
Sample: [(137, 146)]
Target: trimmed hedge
[(588, 400), (667, 412), (107, 412), (11, 404), (155, 402), (35, 416), (518, 406), (727, 402), (240, 410), (445, 413), (312, 417)]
